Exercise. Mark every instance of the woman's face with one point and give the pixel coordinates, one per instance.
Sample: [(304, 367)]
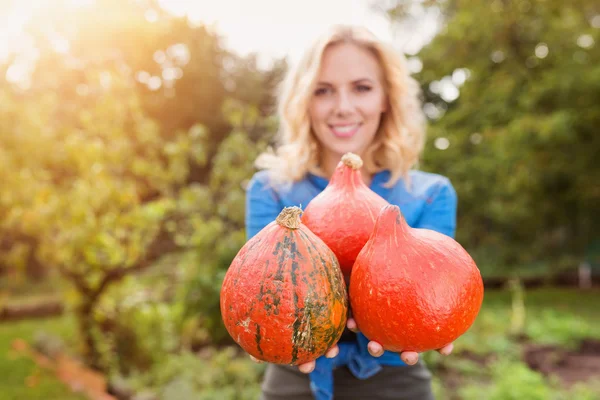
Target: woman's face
[(346, 106)]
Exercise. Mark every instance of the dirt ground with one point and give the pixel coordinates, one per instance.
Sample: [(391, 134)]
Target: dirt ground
[(570, 366)]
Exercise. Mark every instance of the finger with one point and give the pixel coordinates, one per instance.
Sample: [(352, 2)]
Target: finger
[(375, 349), (351, 324), (307, 368), (410, 357), (332, 352), (446, 350), (256, 360)]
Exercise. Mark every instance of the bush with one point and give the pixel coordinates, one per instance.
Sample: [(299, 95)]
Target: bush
[(511, 381), (225, 374), (550, 326), (138, 327)]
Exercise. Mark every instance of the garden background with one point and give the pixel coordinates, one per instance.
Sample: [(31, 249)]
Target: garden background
[(128, 135)]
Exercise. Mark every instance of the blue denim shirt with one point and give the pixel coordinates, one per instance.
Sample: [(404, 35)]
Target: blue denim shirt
[(430, 203)]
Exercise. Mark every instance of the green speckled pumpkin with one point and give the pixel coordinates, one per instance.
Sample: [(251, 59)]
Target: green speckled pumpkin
[(283, 299)]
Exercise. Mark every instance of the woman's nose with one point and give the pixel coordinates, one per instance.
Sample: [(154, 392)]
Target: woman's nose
[(344, 103)]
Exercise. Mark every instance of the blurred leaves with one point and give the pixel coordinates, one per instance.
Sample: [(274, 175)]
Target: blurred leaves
[(521, 149), (224, 375), (114, 153)]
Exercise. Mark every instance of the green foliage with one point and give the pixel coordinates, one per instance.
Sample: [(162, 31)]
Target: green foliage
[(221, 219), (107, 169), (220, 374), (511, 381), (522, 145), (563, 324), (140, 327), (97, 189), (584, 391), (488, 358), (83, 196), (555, 327)]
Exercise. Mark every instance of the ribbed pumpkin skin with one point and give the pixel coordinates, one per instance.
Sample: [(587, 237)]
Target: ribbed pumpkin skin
[(413, 289), (283, 299), (344, 213)]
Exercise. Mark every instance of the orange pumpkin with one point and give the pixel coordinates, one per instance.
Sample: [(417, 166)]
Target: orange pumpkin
[(343, 214), (283, 299), (413, 289)]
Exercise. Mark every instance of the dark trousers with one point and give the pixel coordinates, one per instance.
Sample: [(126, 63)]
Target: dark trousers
[(391, 383)]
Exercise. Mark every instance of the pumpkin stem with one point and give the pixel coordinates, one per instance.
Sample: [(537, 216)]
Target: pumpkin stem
[(390, 221), (352, 160), (289, 217)]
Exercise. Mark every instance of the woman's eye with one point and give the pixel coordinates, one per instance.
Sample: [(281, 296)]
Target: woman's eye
[(363, 88), (321, 91)]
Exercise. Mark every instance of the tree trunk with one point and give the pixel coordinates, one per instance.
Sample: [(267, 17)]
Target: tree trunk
[(87, 326), (35, 270)]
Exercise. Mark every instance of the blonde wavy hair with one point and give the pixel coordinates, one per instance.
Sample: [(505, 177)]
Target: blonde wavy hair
[(401, 135)]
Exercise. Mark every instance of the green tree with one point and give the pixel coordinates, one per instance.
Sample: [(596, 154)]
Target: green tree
[(519, 141), (82, 192), (114, 153), (170, 66), (223, 234)]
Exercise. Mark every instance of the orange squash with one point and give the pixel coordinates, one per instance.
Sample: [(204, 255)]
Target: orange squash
[(413, 289), (283, 299), (343, 214)]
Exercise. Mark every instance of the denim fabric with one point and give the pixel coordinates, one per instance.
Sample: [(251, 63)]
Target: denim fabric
[(429, 203)]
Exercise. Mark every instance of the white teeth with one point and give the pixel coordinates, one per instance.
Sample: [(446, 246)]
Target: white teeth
[(345, 129)]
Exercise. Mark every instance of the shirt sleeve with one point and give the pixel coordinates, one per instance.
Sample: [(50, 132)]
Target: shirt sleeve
[(262, 204), (439, 213)]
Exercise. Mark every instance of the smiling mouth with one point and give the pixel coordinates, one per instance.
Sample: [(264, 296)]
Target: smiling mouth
[(344, 131)]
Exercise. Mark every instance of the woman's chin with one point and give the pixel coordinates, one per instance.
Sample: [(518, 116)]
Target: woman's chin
[(340, 150)]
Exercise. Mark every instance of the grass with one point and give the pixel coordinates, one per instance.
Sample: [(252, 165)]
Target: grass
[(550, 316), (556, 316), (21, 378)]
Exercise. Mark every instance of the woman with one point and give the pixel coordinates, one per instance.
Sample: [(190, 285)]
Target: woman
[(350, 93)]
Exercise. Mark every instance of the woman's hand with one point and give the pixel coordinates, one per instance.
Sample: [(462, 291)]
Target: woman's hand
[(409, 357), (308, 367)]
